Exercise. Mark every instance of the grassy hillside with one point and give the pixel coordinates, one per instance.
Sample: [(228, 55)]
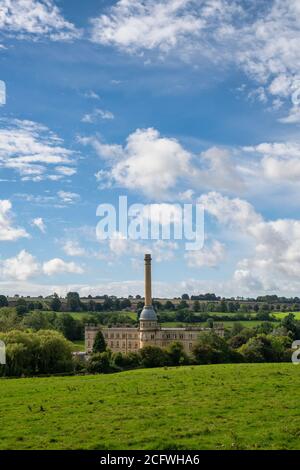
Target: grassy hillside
[(204, 407)]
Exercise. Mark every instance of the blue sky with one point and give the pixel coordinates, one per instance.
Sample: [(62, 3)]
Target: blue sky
[(167, 101)]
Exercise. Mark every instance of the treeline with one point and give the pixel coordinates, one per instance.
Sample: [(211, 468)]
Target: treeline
[(71, 328), (197, 303), (36, 353), (30, 353), (240, 345)]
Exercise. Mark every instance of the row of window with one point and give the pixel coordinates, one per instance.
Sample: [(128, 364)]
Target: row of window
[(130, 345), (120, 335)]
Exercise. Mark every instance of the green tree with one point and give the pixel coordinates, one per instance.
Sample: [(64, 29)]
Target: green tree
[(177, 355), (262, 348), (99, 343), (99, 363), (169, 305), (72, 329), (152, 356), (36, 321), (21, 307), (73, 302), (212, 349), (29, 353), (3, 301), (196, 306), (55, 303)]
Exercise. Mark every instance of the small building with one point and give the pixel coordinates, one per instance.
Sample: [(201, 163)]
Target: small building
[(149, 332)]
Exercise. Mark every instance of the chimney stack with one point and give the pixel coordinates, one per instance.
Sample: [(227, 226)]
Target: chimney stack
[(148, 281)]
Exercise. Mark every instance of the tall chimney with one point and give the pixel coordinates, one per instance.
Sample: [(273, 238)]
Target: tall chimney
[(148, 289)]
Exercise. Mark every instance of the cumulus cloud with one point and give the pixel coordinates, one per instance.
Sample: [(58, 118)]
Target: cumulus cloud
[(73, 248), (7, 230), (280, 162), (134, 25), (207, 257), (25, 266), (35, 19), (155, 165), (59, 266), (275, 259), (21, 267), (30, 148)]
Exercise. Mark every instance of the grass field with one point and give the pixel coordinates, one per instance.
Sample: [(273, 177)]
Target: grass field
[(249, 406), (281, 315), (78, 345)]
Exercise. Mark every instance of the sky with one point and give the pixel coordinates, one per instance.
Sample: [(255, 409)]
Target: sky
[(165, 102)]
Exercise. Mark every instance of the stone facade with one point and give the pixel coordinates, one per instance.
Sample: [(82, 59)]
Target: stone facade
[(126, 340)]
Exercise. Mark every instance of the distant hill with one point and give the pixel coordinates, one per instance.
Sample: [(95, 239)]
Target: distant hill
[(244, 406)]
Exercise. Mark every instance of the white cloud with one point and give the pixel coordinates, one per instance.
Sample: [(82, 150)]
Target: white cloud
[(59, 266), (25, 266), (72, 248), (39, 223), (92, 117), (2, 93), (149, 163), (21, 267), (155, 165), (135, 25), (65, 170), (92, 95), (218, 31), (68, 197), (275, 259), (7, 231), (28, 148), (208, 256), (280, 162), (34, 19)]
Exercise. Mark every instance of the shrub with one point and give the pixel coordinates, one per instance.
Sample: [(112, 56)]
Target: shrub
[(152, 356), (212, 349), (176, 354), (100, 363)]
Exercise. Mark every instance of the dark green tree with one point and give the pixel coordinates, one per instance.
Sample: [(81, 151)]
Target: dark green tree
[(152, 356), (99, 343), (55, 303), (73, 302), (21, 307), (3, 301)]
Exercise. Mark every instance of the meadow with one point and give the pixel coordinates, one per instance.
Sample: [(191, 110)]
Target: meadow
[(241, 406)]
